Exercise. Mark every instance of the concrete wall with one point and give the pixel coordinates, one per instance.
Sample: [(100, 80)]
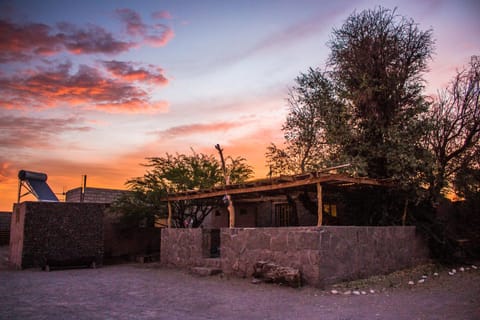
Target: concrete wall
[(56, 231), (324, 255), (5, 218)]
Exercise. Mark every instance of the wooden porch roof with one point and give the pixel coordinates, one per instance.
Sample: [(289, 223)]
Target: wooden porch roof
[(282, 182)]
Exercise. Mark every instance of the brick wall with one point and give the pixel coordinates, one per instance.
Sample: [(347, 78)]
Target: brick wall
[(57, 232), (94, 195)]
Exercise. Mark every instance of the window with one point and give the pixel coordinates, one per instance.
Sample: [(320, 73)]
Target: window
[(330, 209)]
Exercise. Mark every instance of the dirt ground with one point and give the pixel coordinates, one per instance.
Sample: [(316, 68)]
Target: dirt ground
[(148, 291)]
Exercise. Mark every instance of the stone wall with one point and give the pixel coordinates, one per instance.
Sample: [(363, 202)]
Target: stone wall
[(5, 218), (57, 232), (94, 195), (324, 255), (182, 248)]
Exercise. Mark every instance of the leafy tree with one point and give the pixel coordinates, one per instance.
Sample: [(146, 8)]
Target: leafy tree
[(455, 133), (367, 108), (178, 173)]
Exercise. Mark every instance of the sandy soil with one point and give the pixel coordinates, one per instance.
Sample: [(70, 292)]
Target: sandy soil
[(148, 291)]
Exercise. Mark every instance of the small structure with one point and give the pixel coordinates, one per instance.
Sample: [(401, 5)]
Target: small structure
[(322, 254)]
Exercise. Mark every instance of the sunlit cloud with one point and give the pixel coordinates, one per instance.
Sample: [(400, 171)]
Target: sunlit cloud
[(93, 39), (28, 132), (23, 42), (197, 128), (128, 72), (87, 88)]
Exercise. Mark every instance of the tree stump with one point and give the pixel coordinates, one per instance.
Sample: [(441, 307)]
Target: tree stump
[(273, 273)]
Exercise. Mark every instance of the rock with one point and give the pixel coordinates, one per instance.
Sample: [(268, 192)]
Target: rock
[(356, 292), (411, 282), (363, 292), (435, 274), (347, 293), (334, 292), (424, 277), (421, 281), (270, 272), (474, 267), (372, 291), (256, 281), (451, 273), (462, 269)]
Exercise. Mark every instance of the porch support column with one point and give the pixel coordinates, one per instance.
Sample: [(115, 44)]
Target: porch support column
[(231, 212), (169, 219), (320, 204)]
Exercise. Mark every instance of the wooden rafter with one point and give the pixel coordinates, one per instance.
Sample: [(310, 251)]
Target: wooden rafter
[(276, 184)]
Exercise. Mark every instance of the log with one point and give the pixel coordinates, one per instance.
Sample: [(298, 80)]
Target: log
[(272, 273)]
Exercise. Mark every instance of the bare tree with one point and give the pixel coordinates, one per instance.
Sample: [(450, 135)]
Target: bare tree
[(455, 128)]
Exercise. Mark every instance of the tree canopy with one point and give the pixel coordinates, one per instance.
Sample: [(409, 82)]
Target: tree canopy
[(177, 173), (366, 107)]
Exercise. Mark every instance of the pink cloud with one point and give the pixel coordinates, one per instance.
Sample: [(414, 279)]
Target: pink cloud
[(23, 42), (87, 87), (198, 128), (133, 22), (128, 72), (156, 35), (27, 132), (161, 15)]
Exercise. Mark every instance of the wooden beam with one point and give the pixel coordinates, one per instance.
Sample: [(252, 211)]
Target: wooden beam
[(276, 186), (169, 220), (320, 205)]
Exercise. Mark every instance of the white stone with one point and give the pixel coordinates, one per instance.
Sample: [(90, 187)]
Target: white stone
[(474, 267), (411, 282), (462, 269), (424, 277), (372, 291), (421, 281), (334, 292), (356, 292), (363, 292), (451, 273), (436, 274), (348, 292)]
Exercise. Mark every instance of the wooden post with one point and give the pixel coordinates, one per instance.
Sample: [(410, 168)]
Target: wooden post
[(320, 204), (231, 212), (231, 209), (169, 219)]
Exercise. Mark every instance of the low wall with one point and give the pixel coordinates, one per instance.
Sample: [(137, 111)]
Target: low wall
[(181, 247), (323, 255), (56, 231)]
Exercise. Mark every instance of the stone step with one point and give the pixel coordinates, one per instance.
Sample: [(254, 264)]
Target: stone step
[(212, 263), (205, 271)]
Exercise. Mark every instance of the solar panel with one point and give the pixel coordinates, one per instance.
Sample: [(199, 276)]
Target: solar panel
[(37, 184)]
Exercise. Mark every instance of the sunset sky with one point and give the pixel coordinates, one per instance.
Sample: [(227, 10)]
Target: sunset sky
[(94, 87)]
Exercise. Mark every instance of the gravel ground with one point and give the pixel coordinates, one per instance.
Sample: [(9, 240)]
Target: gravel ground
[(136, 291)]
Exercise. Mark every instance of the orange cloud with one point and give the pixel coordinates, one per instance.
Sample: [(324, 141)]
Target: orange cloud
[(87, 87)]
